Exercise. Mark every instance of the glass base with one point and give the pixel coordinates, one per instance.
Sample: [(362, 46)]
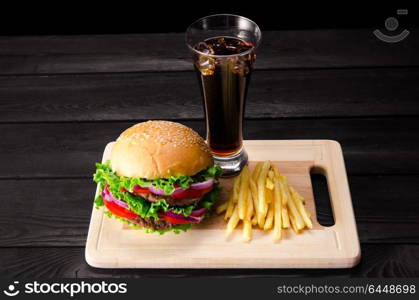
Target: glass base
[(233, 164)]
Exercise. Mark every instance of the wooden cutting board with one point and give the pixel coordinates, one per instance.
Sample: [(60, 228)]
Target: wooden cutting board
[(111, 244)]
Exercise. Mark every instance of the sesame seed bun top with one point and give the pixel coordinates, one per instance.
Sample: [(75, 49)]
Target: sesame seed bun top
[(159, 149)]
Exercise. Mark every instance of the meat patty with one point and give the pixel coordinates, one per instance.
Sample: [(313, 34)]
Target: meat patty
[(152, 223), (170, 200)]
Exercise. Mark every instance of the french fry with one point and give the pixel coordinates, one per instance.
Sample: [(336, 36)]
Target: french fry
[(244, 190), (254, 192), (262, 221), (276, 171), (247, 230), (230, 208), (269, 184), (255, 219), (293, 212), (270, 178), (284, 195), (301, 209), (236, 188), (297, 194), (294, 225), (262, 217), (221, 208), (268, 195), (232, 223), (256, 171), (285, 218), (277, 211), (284, 179), (250, 208), (269, 217), (265, 199), (262, 206), (233, 198)]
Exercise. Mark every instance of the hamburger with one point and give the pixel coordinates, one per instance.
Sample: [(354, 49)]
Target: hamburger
[(161, 177)]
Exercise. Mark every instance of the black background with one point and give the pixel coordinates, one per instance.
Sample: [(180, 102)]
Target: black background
[(175, 16), (62, 98)]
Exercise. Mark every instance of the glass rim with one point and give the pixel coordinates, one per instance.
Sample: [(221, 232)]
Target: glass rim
[(254, 47)]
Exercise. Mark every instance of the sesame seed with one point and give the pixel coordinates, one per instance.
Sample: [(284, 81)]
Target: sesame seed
[(162, 132)]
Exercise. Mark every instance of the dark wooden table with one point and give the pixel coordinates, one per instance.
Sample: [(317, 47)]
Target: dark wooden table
[(62, 98)]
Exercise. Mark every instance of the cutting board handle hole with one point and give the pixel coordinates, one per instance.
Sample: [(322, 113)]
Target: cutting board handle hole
[(321, 197)]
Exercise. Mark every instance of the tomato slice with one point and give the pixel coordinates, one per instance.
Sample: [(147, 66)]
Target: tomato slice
[(120, 211), (191, 193), (173, 220), (136, 190), (140, 190)]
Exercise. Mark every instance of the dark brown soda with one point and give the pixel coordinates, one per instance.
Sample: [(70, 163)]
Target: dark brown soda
[(224, 82)]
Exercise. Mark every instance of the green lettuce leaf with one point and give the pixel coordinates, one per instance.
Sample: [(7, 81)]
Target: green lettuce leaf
[(176, 229), (99, 201), (104, 171), (146, 209), (209, 199)]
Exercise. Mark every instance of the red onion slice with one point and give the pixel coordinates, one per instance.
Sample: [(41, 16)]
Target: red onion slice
[(196, 186), (203, 185), (160, 192), (198, 212), (190, 218), (107, 196)]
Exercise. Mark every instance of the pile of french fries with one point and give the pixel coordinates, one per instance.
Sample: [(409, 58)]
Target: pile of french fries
[(265, 199)]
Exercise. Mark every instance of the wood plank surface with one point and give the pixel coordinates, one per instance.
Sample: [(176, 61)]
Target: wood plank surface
[(368, 103), (272, 94), (371, 146), (167, 52), (56, 212), (379, 260)]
